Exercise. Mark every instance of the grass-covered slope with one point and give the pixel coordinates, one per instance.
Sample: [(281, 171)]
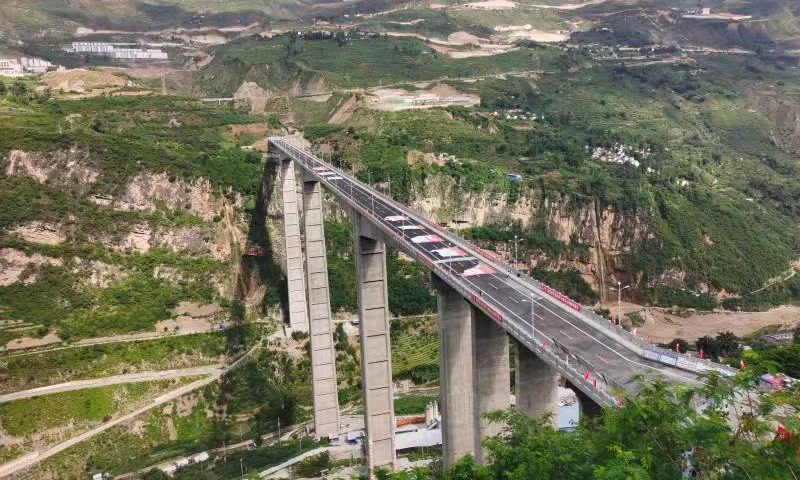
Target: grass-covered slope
[(718, 198)]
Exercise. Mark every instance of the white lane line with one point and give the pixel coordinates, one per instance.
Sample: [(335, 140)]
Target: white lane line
[(565, 334), (513, 299), (493, 285), (601, 358)]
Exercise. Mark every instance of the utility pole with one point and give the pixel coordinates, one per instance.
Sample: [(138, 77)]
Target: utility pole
[(241, 466), (516, 251)]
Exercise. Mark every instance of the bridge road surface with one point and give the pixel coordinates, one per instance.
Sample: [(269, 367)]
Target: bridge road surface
[(502, 291)]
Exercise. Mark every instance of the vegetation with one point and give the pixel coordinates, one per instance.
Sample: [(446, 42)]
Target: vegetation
[(79, 407), (415, 351), (655, 434), (413, 404), (357, 63), (26, 371)]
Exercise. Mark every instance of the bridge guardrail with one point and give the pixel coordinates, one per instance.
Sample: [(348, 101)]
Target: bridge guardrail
[(645, 349)]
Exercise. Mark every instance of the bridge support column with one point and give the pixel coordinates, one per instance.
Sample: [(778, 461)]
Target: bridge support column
[(323, 354), (493, 383), (536, 385), (376, 358), (298, 313), (460, 431)]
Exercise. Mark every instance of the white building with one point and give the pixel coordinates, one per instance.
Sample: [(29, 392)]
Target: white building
[(18, 67), (117, 50), (10, 67)]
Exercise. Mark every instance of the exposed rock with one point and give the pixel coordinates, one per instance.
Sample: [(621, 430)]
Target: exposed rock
[(251, 93), (191, 240), (41, 233), (17, 266), (146, 192), (607, 234), (64, 168), (96, 273)]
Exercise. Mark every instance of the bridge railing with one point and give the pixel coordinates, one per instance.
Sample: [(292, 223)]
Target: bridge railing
[(642, 348)]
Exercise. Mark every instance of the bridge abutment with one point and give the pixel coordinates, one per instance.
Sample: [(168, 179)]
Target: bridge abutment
[(376, 359), (536, 385), (457, 374), (323, 354)]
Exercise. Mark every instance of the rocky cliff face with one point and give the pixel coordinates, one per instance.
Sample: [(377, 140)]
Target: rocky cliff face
[(602, 232), (217, 233)]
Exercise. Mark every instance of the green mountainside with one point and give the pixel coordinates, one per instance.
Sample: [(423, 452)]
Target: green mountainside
[(140, 232)]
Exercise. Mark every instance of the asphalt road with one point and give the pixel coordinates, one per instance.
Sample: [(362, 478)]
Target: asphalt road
[(504, 294)]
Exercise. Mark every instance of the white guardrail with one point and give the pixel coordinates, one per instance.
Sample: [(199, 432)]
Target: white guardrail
[(570, 364)]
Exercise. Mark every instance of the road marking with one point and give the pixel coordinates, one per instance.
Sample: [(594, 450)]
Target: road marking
[(493, 285), (601, 358), (565, 334), (513, 299)]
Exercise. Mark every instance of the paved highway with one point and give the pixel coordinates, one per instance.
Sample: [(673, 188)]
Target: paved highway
[(531, 316)]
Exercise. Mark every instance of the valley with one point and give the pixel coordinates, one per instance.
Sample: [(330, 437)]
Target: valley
[(591, 145)]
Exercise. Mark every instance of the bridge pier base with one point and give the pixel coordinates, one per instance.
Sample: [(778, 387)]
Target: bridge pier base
[(376, 358), (298, 313), (323, 354), (493, 382), (536, 385), (460, 431)]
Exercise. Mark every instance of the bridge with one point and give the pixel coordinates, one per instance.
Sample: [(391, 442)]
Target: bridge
[(482, 303)]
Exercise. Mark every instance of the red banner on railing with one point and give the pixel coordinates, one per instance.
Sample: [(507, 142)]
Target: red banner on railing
[(562, 298), (491, 311)]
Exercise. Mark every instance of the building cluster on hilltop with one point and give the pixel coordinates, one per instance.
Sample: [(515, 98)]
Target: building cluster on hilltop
[(19, 67), (618, 154)]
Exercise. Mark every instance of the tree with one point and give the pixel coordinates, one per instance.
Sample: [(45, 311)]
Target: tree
[(341, 38), (682, 344), (649, 437), (3, 89)]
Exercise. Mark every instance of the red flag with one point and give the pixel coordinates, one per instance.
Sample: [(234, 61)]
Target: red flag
[(678, 348), (586, 375), (618, 400), (783, 434), (594, 382), (702, 354), (741, 364)]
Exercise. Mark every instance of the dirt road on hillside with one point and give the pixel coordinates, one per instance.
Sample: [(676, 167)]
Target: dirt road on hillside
[(114, 380), (36, 457)]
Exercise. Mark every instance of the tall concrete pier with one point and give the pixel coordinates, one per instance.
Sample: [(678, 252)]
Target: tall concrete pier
[(536, 385), (376, 358), (298, 313), (460, 430), (323, 354), (492, 374)]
